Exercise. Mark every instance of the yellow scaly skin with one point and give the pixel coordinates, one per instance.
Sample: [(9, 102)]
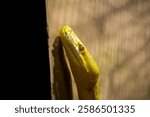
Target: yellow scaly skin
[(84, 68)]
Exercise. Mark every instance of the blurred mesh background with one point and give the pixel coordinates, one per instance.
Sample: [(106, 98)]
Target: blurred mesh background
[(117, 34)]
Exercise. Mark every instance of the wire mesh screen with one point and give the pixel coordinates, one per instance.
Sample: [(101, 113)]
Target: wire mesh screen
[(116, 33)]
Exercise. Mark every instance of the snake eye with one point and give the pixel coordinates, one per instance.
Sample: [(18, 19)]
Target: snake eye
[(81, 47)]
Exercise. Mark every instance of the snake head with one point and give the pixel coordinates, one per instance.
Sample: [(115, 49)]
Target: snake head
[(77, 53)]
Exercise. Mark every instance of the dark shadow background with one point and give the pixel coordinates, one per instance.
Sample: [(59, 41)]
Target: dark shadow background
[(25, 72)]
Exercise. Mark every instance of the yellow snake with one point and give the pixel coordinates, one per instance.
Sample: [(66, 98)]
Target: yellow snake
[(84, 68)]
